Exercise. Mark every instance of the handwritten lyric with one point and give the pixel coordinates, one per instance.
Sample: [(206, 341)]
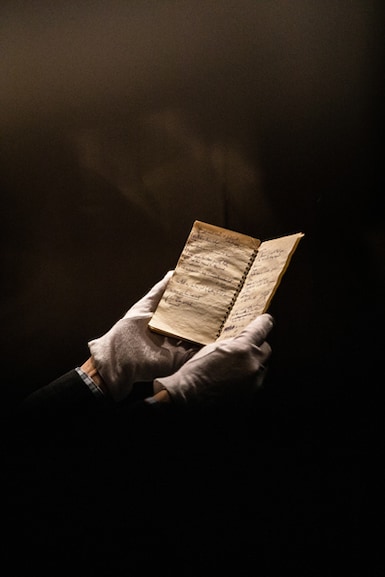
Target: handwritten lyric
[(222, 281), (262, 281), (206, 279)]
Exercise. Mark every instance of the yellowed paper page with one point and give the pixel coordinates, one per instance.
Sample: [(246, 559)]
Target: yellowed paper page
[(206, 277), (262, 282)]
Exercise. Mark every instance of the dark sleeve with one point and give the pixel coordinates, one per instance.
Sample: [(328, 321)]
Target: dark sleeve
[(66, 409), (114, 481), (68, 393), (77, 468)]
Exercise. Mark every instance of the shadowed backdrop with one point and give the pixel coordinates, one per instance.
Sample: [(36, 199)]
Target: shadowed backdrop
[(120, 124), (123, 122)]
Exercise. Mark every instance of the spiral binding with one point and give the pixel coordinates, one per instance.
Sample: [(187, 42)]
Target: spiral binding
[(237, 291)]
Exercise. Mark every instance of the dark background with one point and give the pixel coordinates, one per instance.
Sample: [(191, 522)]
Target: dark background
[(123, 122)]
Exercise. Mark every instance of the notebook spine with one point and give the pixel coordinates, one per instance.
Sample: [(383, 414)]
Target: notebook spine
[(237, 291)]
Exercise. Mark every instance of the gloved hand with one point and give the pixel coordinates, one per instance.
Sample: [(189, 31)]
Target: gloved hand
[(130, 352), (233, 365)]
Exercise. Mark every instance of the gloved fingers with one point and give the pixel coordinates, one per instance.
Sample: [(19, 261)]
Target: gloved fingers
[(182, 347), (263, 352), (149, 302), (257, 330), (205, 350), (260, 377)]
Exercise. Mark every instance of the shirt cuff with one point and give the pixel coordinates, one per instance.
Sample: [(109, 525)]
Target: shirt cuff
[(97, 391), (151, 401)]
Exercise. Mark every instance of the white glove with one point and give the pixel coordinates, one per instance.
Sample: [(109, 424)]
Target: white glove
[(229, 366), (130, 352)]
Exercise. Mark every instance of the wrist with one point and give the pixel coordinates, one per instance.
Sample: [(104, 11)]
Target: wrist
[(89, 368), (160, 397)]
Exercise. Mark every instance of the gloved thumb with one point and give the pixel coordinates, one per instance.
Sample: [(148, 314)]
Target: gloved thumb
[(257, 330), (150, 301)]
